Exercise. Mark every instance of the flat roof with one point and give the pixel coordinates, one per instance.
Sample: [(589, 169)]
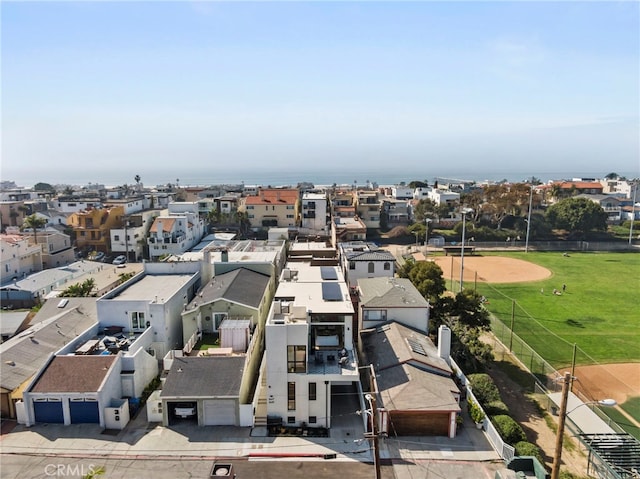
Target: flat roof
[(310, 296), (162, 286)]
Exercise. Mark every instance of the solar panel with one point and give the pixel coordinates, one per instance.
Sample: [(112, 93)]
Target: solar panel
[(328, 272), (416, 346), (331, 292)]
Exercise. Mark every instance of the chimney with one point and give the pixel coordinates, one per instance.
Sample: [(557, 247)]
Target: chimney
[(159, 228), (206, 270), (444, 342)]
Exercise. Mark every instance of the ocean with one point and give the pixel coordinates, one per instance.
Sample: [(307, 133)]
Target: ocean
[(290, 177)]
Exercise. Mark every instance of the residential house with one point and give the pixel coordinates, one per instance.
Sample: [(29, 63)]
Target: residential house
[(18, 258), (92, 227), (272, 207), (414, 382), (343, 204), (75, 204), (369, 207), (309, 346), (131, 239), (397, 212), (444, 197), (34, 288), (392, 299), (234, 295), (610, 204), (13, 213), (208, 390), (75, 389), (227, 204), (347, 229), (314, 212), (402, 192), (59, 327), (56, 247), (153, 300), (362, 259), (174, 234)]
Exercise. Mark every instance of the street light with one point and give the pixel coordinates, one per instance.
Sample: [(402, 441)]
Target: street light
[(426, 235), (566, 385), (464, 212), (526, 243)]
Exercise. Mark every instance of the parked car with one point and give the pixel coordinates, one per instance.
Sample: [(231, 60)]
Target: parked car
[(184, 410), (122, 259), (99, 256)]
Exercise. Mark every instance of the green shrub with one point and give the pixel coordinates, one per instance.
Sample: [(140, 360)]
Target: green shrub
[(484, 389), (510, 431), (524, 448), (475, 412), (496, 408)]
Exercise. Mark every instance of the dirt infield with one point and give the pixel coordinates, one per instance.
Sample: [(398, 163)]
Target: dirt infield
[(492, 269), (616, 381)]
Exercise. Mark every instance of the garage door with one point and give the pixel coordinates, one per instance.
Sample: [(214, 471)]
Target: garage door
[(219, 412), (84, 411), (48, 411)]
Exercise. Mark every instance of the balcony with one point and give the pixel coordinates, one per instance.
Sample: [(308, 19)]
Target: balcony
[(329, 362)]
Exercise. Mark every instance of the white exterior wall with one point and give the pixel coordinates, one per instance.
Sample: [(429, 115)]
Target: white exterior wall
[(319, 223), (441, 197), (19, 259), (362, 271), (417, 318), (402, 192), (278, 337)]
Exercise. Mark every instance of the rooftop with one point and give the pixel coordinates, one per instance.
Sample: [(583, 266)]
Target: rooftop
[(153, 288), (78, 374), (204, 377)]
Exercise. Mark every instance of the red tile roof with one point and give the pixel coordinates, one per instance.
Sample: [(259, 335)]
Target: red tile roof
[(274, 197)]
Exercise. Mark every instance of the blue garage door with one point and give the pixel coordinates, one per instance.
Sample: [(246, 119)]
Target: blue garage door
[(84, 411), (48, 411)]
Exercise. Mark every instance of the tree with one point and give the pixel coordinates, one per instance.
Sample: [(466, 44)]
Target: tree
[(579, 215), (79, 290), (43, 187), (612, 176), (469, 310), (426, 276), (34, 222), (137, 180)]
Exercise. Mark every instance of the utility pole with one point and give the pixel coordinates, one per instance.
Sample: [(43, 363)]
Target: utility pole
[(374, 425), (557, 456)]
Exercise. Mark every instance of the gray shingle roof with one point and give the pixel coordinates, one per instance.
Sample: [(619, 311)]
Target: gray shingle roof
[(194, 377), (390, 293), (81, 374), (379, 255), (25, 354), (241, 286)]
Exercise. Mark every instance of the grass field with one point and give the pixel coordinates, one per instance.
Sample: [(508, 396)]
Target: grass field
[(598, 311)]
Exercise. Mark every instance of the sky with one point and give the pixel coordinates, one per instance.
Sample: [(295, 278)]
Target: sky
[(124, 88)]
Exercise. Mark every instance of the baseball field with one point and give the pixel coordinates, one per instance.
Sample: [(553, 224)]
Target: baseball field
[(556, 300)]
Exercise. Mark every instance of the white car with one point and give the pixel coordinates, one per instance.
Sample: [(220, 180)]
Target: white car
[(184, 411), (122, 259)]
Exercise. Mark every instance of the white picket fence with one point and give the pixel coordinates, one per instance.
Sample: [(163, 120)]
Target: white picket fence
[(506, 451)]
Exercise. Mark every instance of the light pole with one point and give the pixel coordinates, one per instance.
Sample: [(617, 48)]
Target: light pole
[(426, 235), (633, 212), (526, 243), (464, 212), (566, 385)]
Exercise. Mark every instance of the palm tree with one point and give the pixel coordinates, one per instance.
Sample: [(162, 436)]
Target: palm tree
[(34, 222)]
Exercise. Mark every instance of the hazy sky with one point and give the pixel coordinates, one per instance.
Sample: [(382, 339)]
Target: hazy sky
[(188, 85)]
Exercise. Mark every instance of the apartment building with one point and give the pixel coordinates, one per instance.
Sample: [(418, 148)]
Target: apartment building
[(272, 208)]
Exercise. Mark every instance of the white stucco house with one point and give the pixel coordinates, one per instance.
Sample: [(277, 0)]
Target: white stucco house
[(309, 345), (362, 259)]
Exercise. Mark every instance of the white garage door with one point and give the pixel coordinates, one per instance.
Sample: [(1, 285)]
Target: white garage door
[(219, 412)]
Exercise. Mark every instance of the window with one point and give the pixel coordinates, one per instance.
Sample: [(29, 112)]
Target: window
[(313, 419), (312, 391), (116, 237), (289, 216), (291, 419), (138, 320), (289, 207), (375, 315), (371, 267), (218, 318), (297, 359), (352, 265), (387, 266), (291, 397), (249, 207)]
